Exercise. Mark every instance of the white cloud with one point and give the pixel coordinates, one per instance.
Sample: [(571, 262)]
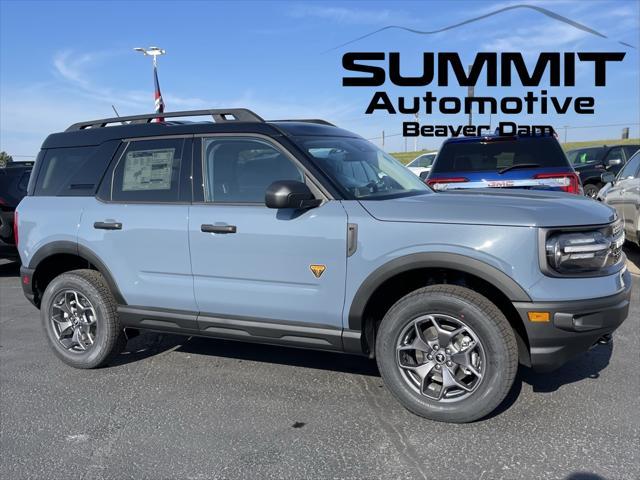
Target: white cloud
[(550, 35), (351, 16), (30, 112)]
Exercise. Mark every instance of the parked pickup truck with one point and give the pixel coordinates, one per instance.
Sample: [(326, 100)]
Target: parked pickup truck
[(300, 233), (591, 162)]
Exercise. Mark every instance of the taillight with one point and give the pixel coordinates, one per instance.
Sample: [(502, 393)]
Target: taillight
[(15, 227), (567, 182), (440, 183)]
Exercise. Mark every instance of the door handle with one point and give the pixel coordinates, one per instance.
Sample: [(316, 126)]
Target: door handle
[(108, 225), (207, 228)]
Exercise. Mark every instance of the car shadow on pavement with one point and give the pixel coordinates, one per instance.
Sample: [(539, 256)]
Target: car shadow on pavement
[(149, 344), (585, 366), (9, 268), (583, 476)]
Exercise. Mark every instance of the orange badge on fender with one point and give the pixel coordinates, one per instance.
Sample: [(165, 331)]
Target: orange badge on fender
[(317, 270)]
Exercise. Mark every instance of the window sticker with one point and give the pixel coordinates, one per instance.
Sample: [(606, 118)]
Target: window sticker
[(148, 170)]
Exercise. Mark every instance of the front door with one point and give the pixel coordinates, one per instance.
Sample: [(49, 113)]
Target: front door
[(255, 264)]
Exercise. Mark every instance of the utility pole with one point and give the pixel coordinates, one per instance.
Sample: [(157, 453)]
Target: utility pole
[(383, 139), (470, 92), (154, 53), (565, 133), (415, 139)]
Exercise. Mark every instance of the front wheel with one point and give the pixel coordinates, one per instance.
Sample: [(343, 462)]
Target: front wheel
[(591, 190), (447, 353)]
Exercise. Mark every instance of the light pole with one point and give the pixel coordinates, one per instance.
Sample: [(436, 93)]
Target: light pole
[(154, 53)]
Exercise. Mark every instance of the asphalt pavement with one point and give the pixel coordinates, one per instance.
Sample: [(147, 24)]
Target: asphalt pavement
[(191, 408)]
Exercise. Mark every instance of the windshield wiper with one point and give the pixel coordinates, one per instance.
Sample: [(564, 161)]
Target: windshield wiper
[(518, 165)]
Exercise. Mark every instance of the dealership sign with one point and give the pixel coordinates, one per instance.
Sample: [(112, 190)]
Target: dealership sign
[(443, 69)]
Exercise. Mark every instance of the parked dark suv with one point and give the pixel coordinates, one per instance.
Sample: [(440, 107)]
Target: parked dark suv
[(591, 162), (14, 179), (300, 233)]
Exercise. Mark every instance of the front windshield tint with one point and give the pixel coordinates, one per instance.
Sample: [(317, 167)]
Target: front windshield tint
[(423, 161), (361, 169)]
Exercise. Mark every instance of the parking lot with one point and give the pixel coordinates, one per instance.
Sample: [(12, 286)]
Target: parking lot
[(175, 407)]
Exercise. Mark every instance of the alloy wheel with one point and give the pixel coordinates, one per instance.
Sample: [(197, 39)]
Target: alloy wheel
[(74, 321), (440, 357)]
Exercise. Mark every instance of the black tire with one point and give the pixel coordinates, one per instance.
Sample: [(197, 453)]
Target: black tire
[(490, 326), (109, 338), (591, 190)]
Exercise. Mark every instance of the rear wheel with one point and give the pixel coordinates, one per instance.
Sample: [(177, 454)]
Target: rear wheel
[(447, 353), (591, 190), (80, 318)]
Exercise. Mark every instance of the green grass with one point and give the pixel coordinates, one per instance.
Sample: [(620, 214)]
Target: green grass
[(406, 157), (595, 143)]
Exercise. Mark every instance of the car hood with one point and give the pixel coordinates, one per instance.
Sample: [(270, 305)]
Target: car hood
[(523, 208)]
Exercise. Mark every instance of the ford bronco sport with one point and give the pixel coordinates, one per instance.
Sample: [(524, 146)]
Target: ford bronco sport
[(300, 233)]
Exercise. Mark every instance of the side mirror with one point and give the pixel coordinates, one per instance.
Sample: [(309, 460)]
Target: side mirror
[(612, 162), (608, 177), (424, 175), (290, 194)]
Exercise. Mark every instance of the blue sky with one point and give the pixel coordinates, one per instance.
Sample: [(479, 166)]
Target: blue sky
[(62, 62)]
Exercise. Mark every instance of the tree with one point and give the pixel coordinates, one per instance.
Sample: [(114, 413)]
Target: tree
[(5, 158)]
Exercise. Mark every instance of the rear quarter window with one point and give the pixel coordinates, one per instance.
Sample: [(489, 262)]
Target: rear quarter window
[(75, 171), (497, 154)]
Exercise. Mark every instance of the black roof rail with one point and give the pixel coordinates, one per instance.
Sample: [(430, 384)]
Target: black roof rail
[(219, 115), (319, 121)]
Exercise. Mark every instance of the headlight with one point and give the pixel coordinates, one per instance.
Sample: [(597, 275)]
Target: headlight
[(596, 251)]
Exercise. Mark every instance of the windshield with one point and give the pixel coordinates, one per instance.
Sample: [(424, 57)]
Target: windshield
[(423, 161), (361, 169), (584, 156), (499, 154)]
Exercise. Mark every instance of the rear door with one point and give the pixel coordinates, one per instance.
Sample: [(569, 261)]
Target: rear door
[(138, 224), (255, 264)]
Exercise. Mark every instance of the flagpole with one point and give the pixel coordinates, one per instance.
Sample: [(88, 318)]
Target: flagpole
[(154, 53)]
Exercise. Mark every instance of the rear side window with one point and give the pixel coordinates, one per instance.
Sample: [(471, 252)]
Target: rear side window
[(500, 153), (64, 170), (148, 171)]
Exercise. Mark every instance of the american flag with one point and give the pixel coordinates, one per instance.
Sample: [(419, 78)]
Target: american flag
[(158, 95)]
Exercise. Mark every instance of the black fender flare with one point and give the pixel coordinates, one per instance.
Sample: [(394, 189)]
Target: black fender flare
[(73, 248), (451, 261)]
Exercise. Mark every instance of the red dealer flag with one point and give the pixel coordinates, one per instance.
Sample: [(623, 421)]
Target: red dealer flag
[(158, 95)]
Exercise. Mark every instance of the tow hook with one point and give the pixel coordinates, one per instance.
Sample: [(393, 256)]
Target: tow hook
[(605, 339)]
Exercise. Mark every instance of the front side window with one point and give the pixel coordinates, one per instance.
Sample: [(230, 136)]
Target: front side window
[(148, 171), (631, 168), (614, 154), (361, 169), (239, 170)]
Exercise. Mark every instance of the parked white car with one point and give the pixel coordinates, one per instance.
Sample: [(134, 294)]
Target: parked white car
[(421, 165), (623, 194)]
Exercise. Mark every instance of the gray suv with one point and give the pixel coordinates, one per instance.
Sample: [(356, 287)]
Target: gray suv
[(300, 233)]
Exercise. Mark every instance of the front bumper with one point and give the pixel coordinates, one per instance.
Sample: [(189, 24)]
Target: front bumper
[(574, 327)]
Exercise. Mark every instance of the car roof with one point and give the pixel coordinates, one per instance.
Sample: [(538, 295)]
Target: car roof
[(96, 132)]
